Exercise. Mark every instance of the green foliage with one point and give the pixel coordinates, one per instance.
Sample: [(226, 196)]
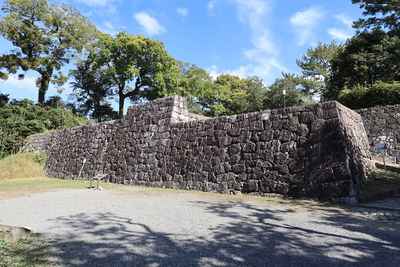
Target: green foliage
[(197, 85), (226, 95), (364, 71), (24, 253), (275, 97), (4, 99), (383, 14), (92, 88), (367, 58), (316, 68), (379, 94), (20, 119), (135, 68), (39, 158), (46, 36), (255, 94)]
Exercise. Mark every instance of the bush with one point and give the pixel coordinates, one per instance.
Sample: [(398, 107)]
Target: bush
[(379, 94), (20, 119), (39, 158)]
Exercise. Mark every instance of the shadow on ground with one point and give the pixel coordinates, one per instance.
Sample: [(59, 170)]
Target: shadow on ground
[(253, 236)]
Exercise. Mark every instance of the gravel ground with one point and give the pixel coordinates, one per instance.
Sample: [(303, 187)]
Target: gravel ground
[(143, 227)]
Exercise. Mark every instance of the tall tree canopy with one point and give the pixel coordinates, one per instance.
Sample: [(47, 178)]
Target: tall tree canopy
[(92, 89), (197, 85), (365, 71), (46, 37), (138, 68), (381, 14), (226, 95), (283, 91), (316, 68), (367, 58)]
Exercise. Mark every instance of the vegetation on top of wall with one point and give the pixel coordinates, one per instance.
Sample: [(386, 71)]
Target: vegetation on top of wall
[(379, 94)]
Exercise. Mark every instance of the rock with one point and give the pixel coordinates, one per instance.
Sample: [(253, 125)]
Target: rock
[(13, 234)]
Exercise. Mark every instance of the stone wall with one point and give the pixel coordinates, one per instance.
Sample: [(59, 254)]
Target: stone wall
[(315, 151), (382, 125)]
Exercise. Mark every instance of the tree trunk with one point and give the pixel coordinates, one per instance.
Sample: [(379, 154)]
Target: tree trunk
[(43, 87), (121, 106)]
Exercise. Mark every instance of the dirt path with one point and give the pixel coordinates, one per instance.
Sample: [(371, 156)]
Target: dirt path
[(140, 227)]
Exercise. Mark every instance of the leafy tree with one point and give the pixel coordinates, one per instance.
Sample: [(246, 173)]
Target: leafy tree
[(316, 68), (139, 68), (367, 58), (384, 14), (92, 88), (4, 99), (275, 95), (255, 94), (379, 94), (46, 36), (231, 96), (197, 85)]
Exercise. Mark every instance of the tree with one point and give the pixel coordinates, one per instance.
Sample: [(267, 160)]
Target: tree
[(316, 68), (4, 99), (275, 95), (226, 95), (255, 94), (196, 84), (139, 68), (367, 58), (231, 94), (92, 88), (46, 37), (384, 14)]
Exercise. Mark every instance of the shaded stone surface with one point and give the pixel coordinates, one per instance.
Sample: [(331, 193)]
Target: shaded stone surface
[(382, 125)]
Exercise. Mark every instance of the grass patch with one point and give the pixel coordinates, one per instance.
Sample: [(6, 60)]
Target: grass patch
[(24, 253), (22, 174), (21, 166), (377, 182)]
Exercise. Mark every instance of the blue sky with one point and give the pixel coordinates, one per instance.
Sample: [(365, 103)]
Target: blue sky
[(239, 37)]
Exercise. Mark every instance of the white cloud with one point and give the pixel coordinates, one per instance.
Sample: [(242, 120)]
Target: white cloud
[(252, 11), (150, 25), (211, 6), (340, 35), (263, 55), (95, 2), (182, 11), (213, 71), (28, 83), (19, 89), (345, 20), (109, 28), (344, 33), (304, 22)]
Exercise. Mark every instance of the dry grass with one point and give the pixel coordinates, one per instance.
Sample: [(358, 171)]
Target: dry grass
[(21, 175), (20, 166)]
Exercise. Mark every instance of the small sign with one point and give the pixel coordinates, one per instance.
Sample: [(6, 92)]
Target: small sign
[(381, 147)]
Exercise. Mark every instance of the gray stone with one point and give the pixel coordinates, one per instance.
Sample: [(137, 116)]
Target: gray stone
[(13, 234), (301, 151)]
